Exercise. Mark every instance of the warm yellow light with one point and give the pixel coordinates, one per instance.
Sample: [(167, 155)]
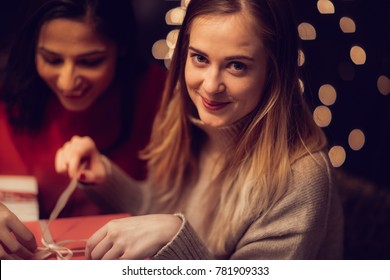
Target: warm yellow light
[(184, 3), (383, 85), (356, 139), (325, 7), (347, 25), (322, 116), (301, 58), (327, 94), (175, 16), (358, 55), (160, 49), (172, 38), (337, 156), (307, 31), (167, 63), (302, 86)]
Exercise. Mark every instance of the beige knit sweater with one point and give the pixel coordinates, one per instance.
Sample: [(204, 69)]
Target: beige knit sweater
[(307, 223)]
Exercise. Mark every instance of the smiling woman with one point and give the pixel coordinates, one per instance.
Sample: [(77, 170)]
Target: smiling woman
[(75, 62), (73, 70), (226, 68)]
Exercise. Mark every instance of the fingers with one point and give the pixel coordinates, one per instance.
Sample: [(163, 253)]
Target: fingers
[(70, 157), (15, 248), (94, 249), (16, 241), (23, 235)]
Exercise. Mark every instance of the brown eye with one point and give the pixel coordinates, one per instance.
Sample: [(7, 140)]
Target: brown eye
[(92, 62), (52, 60)]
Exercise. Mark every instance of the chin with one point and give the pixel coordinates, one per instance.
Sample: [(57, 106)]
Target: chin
[(75, 107)]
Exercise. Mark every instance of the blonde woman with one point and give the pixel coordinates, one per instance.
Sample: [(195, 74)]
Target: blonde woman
[(237, 167)]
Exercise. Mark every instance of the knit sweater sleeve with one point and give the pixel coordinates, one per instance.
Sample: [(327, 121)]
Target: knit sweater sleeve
[(185, 245), (121, 192), (305, 224)]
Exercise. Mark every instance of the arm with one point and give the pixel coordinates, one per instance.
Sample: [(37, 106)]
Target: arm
[(99, 177), (120, 191)]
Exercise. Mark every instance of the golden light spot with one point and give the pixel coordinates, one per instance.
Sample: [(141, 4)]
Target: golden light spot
[(184, 3), (356, 139), (301, 58), (325, 7), (337, 156), (160, 49), (347, 25), (167, 63), (322, 116), (307, 31), (383, 85), (327, 94), (302, 86), (358, 55), (172, 38), (175, 16)]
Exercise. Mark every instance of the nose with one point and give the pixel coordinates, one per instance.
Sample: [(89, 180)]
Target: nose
[(67, 79), (213, 82)]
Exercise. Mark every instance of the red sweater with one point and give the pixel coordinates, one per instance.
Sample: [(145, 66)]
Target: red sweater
[(33, 154)]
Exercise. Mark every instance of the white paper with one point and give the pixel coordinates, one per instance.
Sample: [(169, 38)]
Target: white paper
[(20, 195)]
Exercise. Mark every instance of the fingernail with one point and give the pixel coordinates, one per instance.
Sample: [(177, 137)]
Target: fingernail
[(82, 177)]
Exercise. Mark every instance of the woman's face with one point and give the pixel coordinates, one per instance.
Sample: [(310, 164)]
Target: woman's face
[(225, 67), (76, 63)]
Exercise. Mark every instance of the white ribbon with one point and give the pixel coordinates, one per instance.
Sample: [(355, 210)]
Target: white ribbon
[(50, 246)]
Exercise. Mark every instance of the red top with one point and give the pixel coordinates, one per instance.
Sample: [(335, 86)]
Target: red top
[(33, 154)]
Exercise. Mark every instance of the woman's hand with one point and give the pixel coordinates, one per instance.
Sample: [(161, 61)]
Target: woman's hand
[(16, 241), (79, 158), (136, 237)]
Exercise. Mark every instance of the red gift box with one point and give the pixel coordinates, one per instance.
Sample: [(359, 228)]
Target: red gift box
[(68, 234)]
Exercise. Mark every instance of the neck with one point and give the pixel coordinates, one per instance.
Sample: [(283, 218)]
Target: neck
[(221, 139)]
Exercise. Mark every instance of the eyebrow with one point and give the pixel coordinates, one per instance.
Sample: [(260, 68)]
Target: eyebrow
[(229, 58), (91, 53)]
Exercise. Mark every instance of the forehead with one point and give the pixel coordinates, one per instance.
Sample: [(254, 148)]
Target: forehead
[(238, 31), (69, 33)]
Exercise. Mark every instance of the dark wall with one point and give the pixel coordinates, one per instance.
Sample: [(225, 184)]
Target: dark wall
[(359, 104)]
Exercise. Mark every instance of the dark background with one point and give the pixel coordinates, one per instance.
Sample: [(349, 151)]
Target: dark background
[(365, 175)]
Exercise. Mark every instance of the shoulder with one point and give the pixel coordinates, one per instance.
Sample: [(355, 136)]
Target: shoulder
[(311, 173), (310, 190)]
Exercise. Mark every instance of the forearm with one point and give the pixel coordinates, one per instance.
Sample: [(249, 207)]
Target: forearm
[(121, 192)]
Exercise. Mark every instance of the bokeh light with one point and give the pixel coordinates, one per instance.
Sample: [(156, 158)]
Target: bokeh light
[(356, 139), (383, 85), (322, 116), (337, 156), (325, 7), (327, 94), (307, 31), (358, 55), (347, 25)]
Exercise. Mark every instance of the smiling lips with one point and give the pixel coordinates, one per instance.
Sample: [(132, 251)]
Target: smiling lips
[(75, 93), (214, 105)]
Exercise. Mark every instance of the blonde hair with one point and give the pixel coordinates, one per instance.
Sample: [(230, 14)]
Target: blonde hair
[(281, 130)]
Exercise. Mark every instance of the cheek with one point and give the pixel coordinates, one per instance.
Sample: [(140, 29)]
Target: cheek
[(102, 76), (192, 77), (42, 70), (247, 93)]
